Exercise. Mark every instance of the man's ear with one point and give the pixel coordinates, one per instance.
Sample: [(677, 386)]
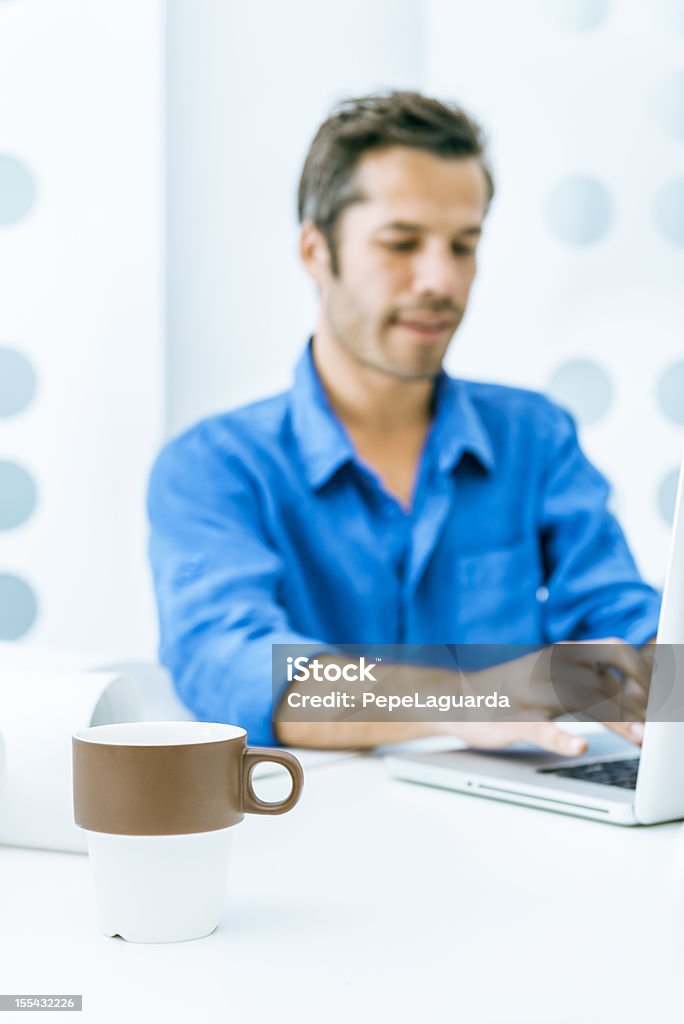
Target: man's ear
[(314, 252)]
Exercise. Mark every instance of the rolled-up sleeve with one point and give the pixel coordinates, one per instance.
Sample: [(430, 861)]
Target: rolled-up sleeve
[(594, 588), (217, 580)]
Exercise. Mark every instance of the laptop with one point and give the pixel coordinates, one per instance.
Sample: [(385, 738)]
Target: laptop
[(613, 780)]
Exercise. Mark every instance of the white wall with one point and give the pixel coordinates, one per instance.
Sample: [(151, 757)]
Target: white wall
[(81, 261)]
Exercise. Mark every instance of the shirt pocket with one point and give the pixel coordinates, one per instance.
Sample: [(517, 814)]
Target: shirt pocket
[(498, 594)]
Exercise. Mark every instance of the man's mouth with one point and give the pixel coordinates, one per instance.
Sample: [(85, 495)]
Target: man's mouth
[(427, 327)]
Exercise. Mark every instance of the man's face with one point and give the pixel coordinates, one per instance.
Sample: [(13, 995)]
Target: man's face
[(406, 260)]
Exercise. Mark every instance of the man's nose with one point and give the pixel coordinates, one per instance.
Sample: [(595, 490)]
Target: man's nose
[(437, 272)]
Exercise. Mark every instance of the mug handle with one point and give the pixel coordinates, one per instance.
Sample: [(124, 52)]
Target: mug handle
[(253, 756)]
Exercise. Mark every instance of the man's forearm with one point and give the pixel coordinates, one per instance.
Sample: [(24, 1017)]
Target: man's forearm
[(344, 731), (359, 735)]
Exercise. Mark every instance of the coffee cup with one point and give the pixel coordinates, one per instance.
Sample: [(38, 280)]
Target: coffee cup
[(159, 802)]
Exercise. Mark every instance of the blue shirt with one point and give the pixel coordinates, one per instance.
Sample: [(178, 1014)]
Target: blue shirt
[(266, 527)]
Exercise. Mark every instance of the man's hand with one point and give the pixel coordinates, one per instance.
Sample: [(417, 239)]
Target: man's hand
[(636, 683), (496, 735), (600, 678)]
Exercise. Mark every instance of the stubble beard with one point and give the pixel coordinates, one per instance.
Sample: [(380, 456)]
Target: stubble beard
[(351, 338)]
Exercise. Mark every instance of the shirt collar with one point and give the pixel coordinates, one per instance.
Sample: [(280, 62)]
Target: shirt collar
[(325, 446), (457, 426), (323, 442)]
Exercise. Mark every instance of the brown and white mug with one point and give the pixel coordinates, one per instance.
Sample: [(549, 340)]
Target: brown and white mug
[(158, 801)]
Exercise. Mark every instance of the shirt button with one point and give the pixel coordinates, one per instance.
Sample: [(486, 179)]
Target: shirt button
[(392, 511)]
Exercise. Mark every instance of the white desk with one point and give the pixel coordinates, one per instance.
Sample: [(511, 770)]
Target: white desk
[(375, 900)]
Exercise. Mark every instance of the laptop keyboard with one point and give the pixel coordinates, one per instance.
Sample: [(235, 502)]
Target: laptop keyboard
[(622, 773)]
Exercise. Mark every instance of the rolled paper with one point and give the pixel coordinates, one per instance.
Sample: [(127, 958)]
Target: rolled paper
[(39, 712)]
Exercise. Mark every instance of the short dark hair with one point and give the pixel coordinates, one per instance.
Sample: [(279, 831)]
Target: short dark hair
[(378, 121)]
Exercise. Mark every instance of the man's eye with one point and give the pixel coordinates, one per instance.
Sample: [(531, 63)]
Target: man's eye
[(400, 246), (463, 250)]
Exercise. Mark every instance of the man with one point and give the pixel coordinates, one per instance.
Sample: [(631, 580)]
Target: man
[(379, 500)]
